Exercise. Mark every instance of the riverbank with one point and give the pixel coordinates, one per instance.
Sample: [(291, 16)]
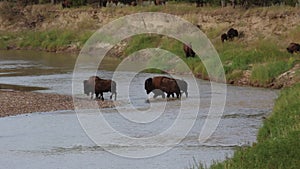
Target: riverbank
[(257, 58), (278, 143), (20, 102)]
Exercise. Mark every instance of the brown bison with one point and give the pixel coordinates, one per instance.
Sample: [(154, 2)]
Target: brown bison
[(188, 50), (183, 86), (161, 84), (96, 85), (293, 47)]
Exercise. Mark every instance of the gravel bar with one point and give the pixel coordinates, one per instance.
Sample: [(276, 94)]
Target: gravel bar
[(20, 102)]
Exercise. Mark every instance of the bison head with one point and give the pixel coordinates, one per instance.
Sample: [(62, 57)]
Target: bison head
[(148, 85)]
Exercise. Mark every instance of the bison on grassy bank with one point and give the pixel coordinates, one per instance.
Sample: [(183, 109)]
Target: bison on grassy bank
[(231, 33), (160, 84), (224, 37), (66, 4), (96, 85), (188, 50), (293, 48)]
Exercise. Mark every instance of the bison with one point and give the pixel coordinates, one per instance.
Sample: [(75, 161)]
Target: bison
[(159, 2), (231, 33), (293, 47), (66, 4), (161, 84), (224, 37), (188, 50), (96, 85), (183, 86)]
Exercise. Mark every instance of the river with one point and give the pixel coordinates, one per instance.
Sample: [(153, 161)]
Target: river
[(57, 140)]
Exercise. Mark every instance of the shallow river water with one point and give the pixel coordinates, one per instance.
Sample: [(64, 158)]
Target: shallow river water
[(56, 139)]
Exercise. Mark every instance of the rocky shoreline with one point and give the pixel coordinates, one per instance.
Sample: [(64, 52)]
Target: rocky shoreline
[(20, 102)]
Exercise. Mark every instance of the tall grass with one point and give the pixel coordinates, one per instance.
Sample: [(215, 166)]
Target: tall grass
[(265, 73), (278, 143)]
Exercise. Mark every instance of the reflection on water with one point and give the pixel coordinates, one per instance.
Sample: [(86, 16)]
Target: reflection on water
[(56, 139), (33, 63)]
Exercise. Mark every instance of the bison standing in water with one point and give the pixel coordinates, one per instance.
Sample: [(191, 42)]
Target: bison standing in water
[(293, 47), (183, 86), (96, 85), (161, 84)]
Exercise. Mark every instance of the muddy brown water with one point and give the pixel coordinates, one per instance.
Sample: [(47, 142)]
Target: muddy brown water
[(57, 140)]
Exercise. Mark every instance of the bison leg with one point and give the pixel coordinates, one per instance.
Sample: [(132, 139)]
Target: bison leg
[(186, 94), (168, 95), (112, 96), (187, 55), (101, 96), (97, 96), (178, 95)]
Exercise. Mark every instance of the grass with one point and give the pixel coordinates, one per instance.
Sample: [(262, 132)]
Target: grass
[(278, 143), (51, 40), (171, 45), (265, 73), (264, 58)]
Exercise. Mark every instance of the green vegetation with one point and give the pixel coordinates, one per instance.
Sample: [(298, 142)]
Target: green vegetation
[(51, 40), (265, 73), (264, 58), (144, 41), (278, 143)]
